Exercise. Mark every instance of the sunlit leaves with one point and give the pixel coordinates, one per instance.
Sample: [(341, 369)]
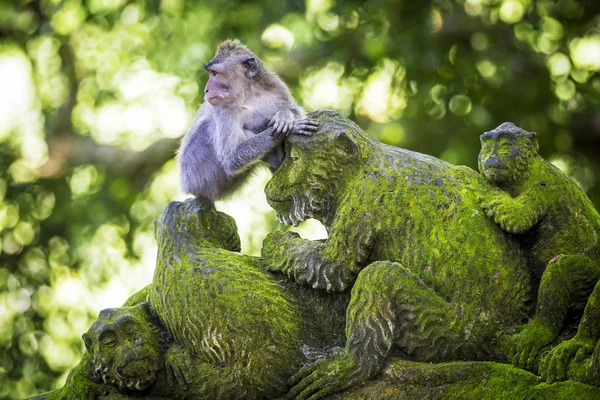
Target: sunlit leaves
[(559, 65), (327, 88), (511, 11), (460, 104), (585, 52), (148, 107), (68, 18), (17, 95), (277, 36), (383, 97), (52, 84), (86, 179)]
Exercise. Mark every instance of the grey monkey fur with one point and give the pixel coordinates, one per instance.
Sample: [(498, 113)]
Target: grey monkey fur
[(247, 113)]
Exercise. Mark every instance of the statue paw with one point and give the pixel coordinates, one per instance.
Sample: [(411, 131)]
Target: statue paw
[(555, 365), (274, 248), (179, 366), (526, 347), (324, 377)]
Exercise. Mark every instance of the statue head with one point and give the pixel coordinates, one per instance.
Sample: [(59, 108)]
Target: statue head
[(197, 220), (311, 178), (126, 347), (506, 154)]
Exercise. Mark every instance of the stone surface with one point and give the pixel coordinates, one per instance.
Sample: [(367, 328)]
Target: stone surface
[(558, 228), (430, 290)]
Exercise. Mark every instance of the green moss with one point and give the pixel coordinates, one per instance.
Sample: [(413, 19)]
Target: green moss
[(459, 282), (218, 326), (558, 228)]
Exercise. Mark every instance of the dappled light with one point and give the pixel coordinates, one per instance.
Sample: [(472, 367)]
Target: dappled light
[(95, 96)]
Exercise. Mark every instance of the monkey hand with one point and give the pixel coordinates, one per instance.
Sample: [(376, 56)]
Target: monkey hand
[(554, 366), (282, 122), (305, 126), (324, 377)]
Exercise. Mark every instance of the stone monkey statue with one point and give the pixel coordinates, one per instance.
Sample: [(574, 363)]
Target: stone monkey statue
[(247, 114), (556, 224), (432, 278)]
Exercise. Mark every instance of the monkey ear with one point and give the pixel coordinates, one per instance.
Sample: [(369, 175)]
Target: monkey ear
[(251, 66)]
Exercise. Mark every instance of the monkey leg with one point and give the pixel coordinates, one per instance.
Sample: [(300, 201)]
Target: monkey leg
[(566, 282), (391, 307), (555, 365)]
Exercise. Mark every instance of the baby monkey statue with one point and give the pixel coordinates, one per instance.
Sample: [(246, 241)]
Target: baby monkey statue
[(559, 229)]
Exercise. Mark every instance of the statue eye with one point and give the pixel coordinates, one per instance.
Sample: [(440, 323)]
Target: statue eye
[(506, 145), (108, 338)]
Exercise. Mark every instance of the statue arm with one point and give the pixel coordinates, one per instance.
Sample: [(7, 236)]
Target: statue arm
[(519, 214), (332, 265), (191, 377)]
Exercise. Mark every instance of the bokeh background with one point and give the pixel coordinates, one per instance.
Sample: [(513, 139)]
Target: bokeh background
[(95, 94)]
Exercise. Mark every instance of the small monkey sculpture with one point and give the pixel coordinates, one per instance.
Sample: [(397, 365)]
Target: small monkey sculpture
[(247, 113), (558, 226)]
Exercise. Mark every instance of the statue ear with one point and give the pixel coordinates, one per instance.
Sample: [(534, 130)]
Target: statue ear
[(144, 307), (344, 143), (86, 341), (533, 143)]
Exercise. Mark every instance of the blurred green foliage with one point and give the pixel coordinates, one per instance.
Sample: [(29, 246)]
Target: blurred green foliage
[(94, 95)]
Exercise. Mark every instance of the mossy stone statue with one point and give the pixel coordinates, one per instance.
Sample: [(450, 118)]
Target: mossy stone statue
[(211, 325), (559, 230), (428, 288), (456, 284)]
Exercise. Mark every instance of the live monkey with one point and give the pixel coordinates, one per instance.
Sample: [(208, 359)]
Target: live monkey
[(247, 114)]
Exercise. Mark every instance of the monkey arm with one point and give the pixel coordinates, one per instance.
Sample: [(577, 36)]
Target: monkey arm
[(516, 215), (332, 265), (250, 150)]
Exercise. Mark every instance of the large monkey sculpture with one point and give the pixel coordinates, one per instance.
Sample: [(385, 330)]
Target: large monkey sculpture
[(247, 113)]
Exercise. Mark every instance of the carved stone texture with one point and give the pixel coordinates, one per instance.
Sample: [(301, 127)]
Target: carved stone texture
[(436, 286), (559, 229), (458, 283), (212, 324)]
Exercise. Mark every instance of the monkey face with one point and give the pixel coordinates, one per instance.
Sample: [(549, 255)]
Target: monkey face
[(505, 153), (217, 90), (230, 76)]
